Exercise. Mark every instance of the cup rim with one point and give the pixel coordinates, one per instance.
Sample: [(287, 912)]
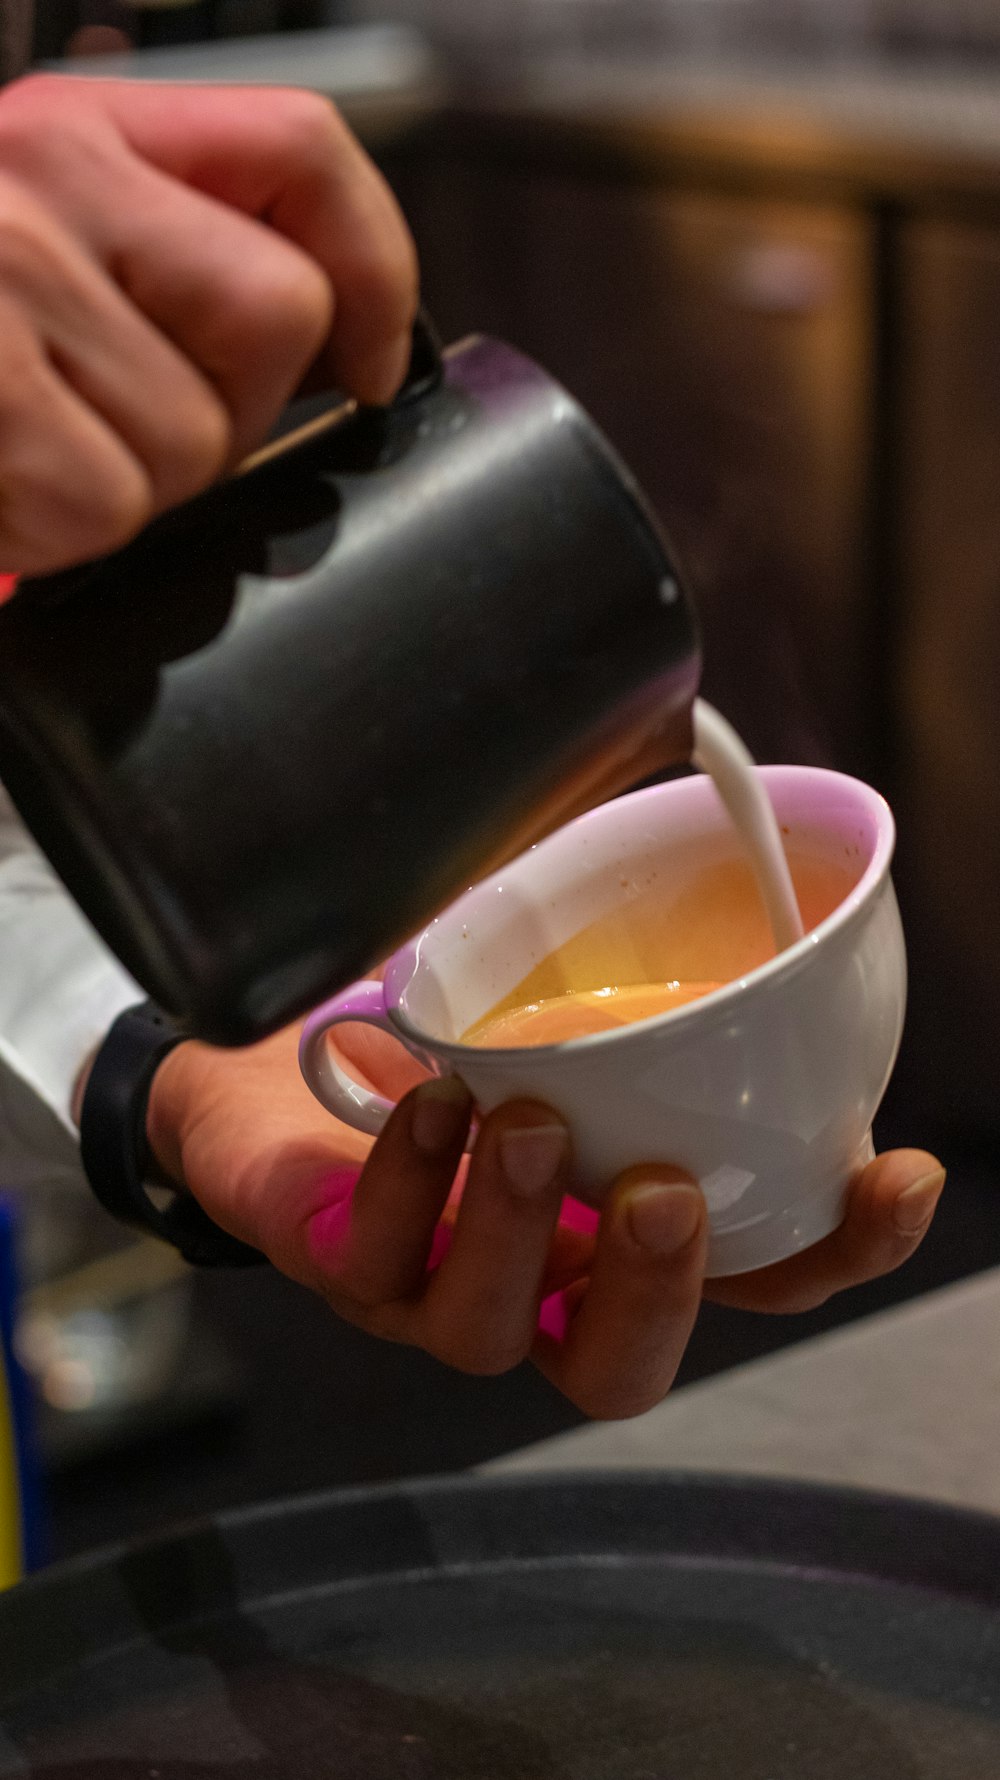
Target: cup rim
[(719, 1002)]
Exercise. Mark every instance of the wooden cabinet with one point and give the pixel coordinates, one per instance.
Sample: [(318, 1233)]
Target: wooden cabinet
[(948, 652)]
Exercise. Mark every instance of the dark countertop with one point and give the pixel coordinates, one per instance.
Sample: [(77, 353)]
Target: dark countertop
[(906, 1401)]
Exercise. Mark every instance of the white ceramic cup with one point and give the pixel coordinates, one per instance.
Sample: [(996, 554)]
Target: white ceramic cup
[(764, 1090)]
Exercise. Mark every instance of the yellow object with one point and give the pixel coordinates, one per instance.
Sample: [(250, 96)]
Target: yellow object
[(11, 1568)]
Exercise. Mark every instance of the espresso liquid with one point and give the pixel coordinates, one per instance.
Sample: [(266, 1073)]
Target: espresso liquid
[(656, 952), (577, 1013)]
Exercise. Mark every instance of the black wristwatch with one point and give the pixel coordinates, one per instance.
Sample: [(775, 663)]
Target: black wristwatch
[(115, 1153)]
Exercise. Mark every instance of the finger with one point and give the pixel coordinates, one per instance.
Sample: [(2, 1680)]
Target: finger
[(377, 1060), (571, 1257), (480, 1307), (382, 1256), (249, 309), (69, 487), (891, 1205), (288, 157), (628, 1327), (571, 1254), (166, 414)]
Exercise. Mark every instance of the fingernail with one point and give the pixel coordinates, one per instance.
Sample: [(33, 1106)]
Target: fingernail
[(915, 1208), (440, 1110), (532, 1156), (378, 377), (664, 1219)]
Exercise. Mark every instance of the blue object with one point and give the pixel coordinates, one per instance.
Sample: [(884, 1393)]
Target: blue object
[(20, 1498)]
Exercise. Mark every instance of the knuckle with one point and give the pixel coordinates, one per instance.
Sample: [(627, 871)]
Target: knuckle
[(798, 1301), (606, 1402), (210, 439), (21, 375), (200, 447), (375, 1303), (90, 513), (29, 146), (364, 1292), (289, 309), (385, 280), (61, 529), (407, 274), (124, 507), (30, 243), (19, 105), (303, 306), (482, 1356), (34, 89), (343, 1303), (312, 125), (387, 1322)]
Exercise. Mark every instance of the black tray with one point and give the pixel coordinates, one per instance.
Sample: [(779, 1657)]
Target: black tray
[(611, 1628)]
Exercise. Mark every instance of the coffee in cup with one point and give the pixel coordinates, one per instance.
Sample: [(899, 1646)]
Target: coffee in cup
[(655, 955)]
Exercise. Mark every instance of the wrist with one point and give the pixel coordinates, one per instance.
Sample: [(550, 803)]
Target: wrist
[(169, 1098), (164, 1109), (119, 1108)]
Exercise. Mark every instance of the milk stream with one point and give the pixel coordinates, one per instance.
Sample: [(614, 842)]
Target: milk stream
[(719, 752)]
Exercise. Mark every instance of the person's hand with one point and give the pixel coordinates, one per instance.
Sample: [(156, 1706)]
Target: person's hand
[(486, 1264), (173, 260)]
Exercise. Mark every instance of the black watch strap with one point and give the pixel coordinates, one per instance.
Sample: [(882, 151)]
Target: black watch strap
[(115, 1153)]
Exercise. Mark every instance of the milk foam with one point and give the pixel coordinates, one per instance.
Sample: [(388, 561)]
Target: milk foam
[(720, 753)]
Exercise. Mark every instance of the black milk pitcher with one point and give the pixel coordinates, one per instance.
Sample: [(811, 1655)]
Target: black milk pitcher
[(281, 729)]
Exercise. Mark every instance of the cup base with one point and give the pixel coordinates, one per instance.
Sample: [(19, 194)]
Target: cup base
[(761, 1244)]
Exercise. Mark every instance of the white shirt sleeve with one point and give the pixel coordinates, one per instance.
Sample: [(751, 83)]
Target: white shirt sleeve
[(60, 990)]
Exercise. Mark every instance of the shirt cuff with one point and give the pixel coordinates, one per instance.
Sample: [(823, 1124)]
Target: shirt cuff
[(60, 991)]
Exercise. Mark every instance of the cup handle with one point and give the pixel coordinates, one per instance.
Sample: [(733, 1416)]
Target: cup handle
[(332, 1086)]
